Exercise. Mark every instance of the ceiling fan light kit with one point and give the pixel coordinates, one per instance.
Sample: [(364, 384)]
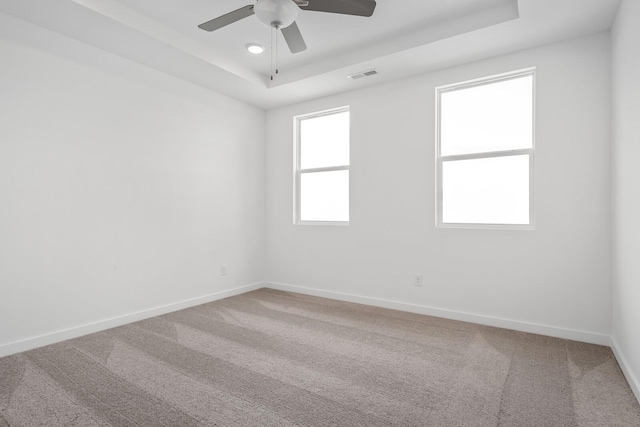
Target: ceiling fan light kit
[(276, 13)]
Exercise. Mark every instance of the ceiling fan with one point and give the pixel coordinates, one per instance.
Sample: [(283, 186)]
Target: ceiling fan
[(281, 15)]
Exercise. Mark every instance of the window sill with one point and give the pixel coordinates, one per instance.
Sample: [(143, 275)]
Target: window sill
[(338, 223), (518, 227)]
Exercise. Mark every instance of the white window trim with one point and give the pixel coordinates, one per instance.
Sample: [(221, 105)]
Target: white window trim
[(298, 171), (493, 154)]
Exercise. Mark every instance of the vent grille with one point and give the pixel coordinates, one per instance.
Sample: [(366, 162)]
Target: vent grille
[(357, 76)]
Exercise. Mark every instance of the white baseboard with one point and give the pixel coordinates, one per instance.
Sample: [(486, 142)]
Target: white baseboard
[(626, 369), (78, 331), (570, 334)]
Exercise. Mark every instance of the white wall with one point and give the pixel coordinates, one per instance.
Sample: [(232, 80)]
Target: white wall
[(558, 275), (121, 190), (626, 186)]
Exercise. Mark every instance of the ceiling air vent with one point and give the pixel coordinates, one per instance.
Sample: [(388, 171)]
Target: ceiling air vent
[(357, 76)]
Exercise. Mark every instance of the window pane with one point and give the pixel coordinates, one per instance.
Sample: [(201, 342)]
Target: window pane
[(491, 117), (324, 141), (324, 196), (486, 191)]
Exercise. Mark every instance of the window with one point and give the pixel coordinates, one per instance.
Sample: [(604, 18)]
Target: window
[(322, 167), (485, 148)]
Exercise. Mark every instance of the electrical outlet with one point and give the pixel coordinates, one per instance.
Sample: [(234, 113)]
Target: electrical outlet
[(417, 280), (223, 270)]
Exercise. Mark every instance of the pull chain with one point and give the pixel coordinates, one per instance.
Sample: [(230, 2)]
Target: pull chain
[(271, 34), (274, 52), (277, 28)]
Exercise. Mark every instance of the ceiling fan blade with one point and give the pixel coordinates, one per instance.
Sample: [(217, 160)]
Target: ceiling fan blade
[(294, 39), (227, 19), (345, 7)]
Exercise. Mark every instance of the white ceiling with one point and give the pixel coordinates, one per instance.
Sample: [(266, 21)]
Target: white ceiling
[(402, 38)]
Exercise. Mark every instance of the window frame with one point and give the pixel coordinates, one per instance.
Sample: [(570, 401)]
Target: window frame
[(484, 155), (298, 171)]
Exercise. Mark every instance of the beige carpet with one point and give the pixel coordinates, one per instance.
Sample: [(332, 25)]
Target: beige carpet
[(272, 358)]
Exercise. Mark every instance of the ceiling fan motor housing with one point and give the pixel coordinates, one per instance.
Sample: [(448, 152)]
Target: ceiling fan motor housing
[(276, 13)]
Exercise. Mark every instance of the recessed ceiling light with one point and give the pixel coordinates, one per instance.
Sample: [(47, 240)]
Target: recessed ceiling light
[(255, 48)]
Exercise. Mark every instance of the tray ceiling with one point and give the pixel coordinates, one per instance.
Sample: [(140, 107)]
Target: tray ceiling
[(401, 38)]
